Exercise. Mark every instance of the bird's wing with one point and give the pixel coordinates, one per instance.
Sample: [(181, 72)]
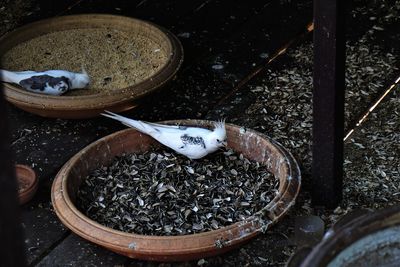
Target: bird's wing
[(163, 126), (60, 73), (17, 76), (36, 82), (53, 73), (28, 72), (192, 147), (179, 129)]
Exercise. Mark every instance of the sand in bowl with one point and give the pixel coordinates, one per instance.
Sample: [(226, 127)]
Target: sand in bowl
[(114, 59), (163, 193)]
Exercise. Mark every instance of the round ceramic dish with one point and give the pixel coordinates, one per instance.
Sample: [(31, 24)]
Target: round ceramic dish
[(27, 176), (86, 106), (252, 144), (370, 239)]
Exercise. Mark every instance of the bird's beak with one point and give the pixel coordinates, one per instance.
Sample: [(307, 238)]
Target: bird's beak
[(225, 144)]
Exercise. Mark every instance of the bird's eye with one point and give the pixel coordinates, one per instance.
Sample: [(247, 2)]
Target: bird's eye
[(218, 141)]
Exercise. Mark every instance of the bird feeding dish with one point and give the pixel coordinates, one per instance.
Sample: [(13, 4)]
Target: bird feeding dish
[(125, 58), (370, 239), (27, 183), (253, 145)]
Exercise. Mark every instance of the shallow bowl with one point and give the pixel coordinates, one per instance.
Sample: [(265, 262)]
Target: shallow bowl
[(366, 239), (253, 145), (86, 106), (25, 175)]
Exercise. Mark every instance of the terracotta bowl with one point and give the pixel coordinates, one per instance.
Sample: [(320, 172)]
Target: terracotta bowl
[(369, 239), (27, 177), (252, 144), (86, 106)]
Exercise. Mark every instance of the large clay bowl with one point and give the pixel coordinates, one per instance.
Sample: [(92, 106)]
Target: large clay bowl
[(371, 239), (252, 144), (86, 106)]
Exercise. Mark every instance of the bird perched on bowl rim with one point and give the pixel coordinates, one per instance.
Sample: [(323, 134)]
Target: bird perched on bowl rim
[(50, 82), (193, 142)]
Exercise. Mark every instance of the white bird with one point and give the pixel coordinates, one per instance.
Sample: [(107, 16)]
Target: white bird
[(51, 82), (193, 142)]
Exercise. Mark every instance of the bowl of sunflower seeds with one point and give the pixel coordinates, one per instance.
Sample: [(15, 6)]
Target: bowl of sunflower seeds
[(128, 193)]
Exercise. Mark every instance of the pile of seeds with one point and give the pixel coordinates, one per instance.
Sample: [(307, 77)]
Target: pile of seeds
[(161, 193)]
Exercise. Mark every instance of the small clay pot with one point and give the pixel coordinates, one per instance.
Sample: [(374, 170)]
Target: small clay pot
[(252, 144), (27, 179), (86, 106)]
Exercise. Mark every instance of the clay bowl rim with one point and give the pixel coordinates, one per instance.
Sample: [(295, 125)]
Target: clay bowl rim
[(61, 199), (34, 181), (324, 252), (174, 51)]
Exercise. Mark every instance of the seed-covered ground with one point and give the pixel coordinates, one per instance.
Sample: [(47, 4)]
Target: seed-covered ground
[(371, 162), (162, 193), (283, 107)]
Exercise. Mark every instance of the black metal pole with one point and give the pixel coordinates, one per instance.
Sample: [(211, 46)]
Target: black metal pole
[(328, 102), (11, 238)]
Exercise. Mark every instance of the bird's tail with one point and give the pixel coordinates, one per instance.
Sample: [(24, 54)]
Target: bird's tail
[(9, 76), (84, 70), (138, 125)]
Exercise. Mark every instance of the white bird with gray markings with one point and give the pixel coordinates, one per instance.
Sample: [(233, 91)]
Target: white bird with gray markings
[(50, 82), (193, 142)]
